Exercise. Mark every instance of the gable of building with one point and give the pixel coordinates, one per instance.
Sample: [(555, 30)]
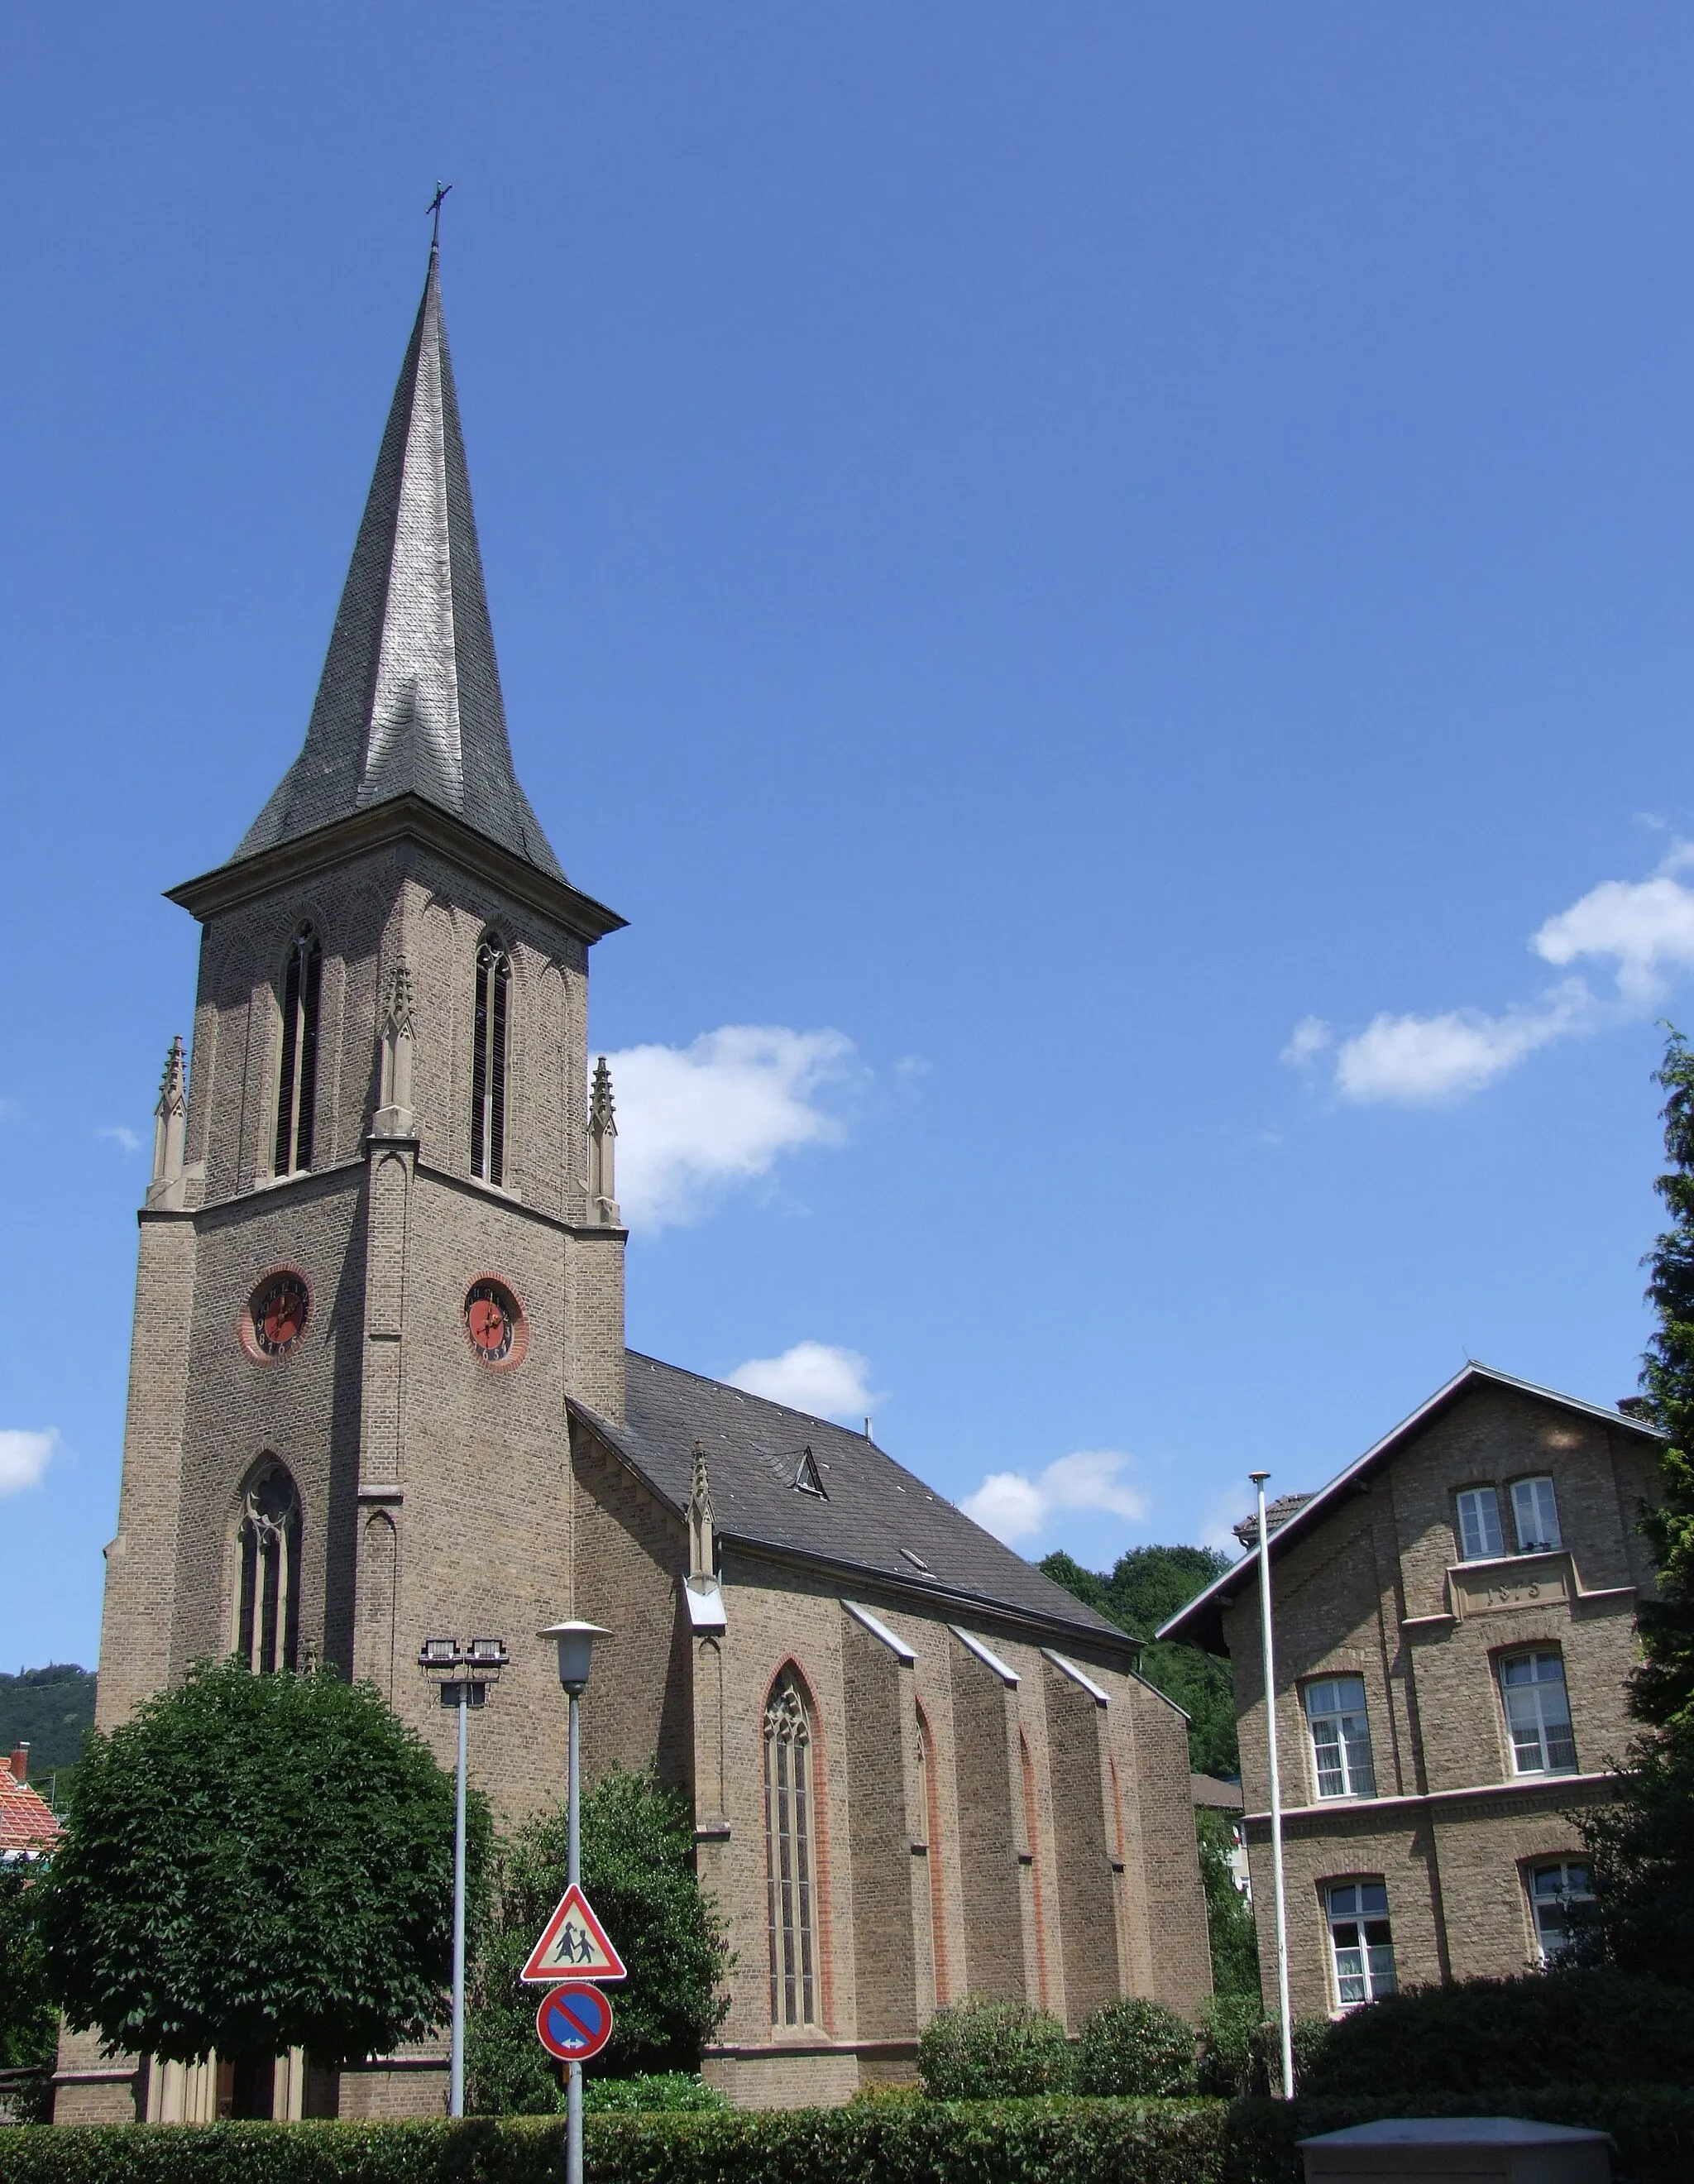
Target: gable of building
[(1202, 1621)]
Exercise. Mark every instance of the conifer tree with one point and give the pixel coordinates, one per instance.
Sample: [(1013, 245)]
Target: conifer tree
[(1642, 1846), (1663, 1692)]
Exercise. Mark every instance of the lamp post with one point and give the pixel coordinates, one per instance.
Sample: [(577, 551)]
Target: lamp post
[(1278, 1891), (463, 1676), (576, 1644)]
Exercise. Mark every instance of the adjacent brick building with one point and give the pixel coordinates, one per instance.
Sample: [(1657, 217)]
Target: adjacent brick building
[(1454, 1628), (379, 1390)]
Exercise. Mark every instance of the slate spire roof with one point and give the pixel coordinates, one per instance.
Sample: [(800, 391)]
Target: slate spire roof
[(409, 701)]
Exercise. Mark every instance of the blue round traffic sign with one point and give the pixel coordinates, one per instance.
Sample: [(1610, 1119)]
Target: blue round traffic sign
[(574, 2022)]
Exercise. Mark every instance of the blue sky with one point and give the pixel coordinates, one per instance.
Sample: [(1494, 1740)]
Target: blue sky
[(1109, 589)]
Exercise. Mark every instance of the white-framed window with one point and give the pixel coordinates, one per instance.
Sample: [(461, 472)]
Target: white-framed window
[(1536, 1513), (1553, 1888), (1360, 1941), (1480, 1537), (1340, 1737), (1538, 1712)]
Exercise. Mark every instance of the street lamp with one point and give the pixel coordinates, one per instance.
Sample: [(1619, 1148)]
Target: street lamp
[(1258, 1478), (576, 1643), (463, 1676)]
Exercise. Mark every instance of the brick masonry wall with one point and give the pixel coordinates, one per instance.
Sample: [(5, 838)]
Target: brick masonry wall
[(443, 1496), (1371, 1593)]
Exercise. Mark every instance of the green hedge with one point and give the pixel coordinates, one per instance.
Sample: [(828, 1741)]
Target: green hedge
[(1037, 2142)]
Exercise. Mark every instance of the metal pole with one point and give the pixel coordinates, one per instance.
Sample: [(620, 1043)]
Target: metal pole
[(573, 2082), (456, 2103), (1279, 1891)]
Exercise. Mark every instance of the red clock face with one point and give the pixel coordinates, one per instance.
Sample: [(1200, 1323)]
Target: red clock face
[(494, 1323), (277, 1312)]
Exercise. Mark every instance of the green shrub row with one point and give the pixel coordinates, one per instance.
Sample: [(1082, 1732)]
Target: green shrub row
[(999, 2051), (1033, 2141)]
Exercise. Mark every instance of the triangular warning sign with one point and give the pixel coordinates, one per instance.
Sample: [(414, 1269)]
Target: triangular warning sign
[(573, 1944)]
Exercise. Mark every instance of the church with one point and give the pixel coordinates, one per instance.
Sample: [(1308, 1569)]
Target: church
[(379, 1390)]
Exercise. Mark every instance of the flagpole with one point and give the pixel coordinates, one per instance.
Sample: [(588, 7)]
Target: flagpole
[(1279, 1882)]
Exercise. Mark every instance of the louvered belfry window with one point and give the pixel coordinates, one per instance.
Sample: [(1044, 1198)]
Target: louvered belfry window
[(297, 1083), (789, 1856), (488, 1063), (268, 1614)]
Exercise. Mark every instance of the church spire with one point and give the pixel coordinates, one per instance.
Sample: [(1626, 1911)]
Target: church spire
[(409, 701)]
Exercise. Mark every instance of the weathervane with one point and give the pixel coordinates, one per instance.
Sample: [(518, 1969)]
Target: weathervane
[(434, 207)]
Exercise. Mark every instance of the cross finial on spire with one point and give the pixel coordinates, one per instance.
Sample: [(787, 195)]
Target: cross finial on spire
[(434, 208)]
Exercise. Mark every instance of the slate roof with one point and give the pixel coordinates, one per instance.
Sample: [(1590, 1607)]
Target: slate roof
[(1201, 1622), (409, 700), (873, 1517)]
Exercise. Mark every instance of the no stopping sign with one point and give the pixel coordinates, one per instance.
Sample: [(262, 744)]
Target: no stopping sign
[(574, 2022)]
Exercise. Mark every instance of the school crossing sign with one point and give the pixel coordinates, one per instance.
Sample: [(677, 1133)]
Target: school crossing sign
[(573, 1947)]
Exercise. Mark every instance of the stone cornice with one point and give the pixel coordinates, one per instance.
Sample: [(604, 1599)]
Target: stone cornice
[(1518, 1788), (401, 819)]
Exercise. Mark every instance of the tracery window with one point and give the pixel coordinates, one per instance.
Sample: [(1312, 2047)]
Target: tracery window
[(790, 1855), (297, 1076), (489, 1062), (268, 1610)]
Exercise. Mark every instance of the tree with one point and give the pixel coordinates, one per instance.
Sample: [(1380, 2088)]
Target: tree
[(28, 2023), (637, 1872), (255, 1863), (1143, 1589), (1642, 1847), (1229, 1915)]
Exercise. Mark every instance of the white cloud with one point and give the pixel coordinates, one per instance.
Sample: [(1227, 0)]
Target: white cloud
[(818, 1377), (1424, 1060), (23, 1457), (1642, 928), (1014, 1506), (694, 1120), (1643, 931), (120, 1135), (1308, 1039)]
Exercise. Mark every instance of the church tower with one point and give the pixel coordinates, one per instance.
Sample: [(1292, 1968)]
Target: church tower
[(381, 1249)]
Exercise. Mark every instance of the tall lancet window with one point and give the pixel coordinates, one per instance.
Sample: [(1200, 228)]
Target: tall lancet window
[(489, 1062), (268, 1610), (296, 1084), (790, 1857)]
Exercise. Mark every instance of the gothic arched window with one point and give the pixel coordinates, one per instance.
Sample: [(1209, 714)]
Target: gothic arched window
[(932, 1810), (790, 1858), (268, 1608), (1032, 1830), (296, 1079), (489, 1062)]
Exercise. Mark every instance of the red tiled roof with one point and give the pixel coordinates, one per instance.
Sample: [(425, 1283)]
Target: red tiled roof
[(27, 1821)]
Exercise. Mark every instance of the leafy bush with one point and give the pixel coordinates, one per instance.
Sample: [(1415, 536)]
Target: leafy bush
[(1561, 2028), (637, 1871), (1136, 2048), (1226, 2058), (1030, 2142), (988, 2051), (656, 2093)]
